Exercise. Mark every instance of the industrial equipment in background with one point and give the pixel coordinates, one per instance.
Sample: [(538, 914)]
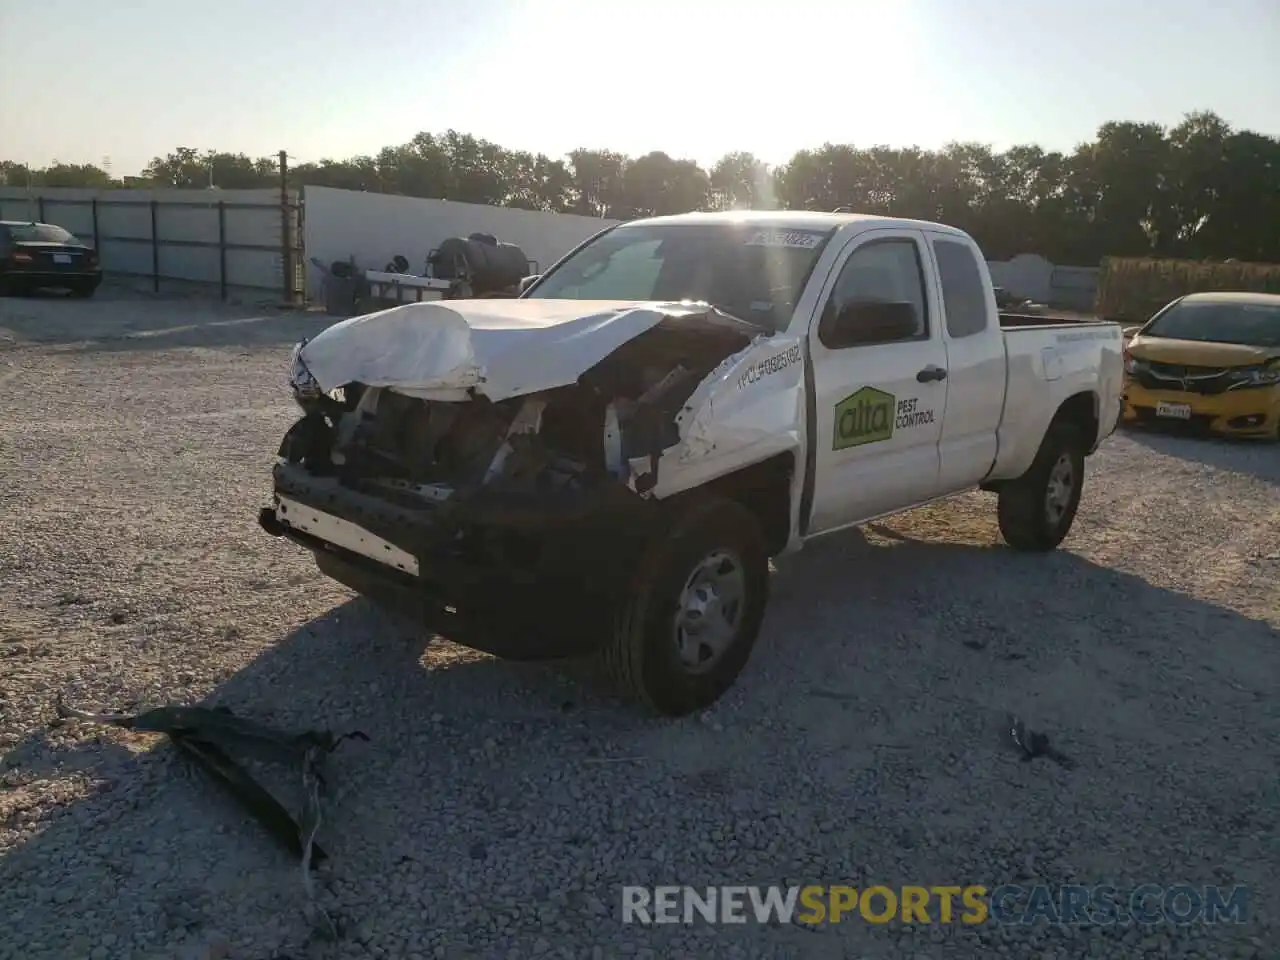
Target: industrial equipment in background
[(478, 266), (1011, 302)]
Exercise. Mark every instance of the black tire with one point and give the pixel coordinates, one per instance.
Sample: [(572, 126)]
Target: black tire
[(642, 654), (84, 291), (1029, 518)]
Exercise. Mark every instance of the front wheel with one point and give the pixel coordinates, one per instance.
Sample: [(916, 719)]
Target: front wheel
[(694, 611), (1036, 511)]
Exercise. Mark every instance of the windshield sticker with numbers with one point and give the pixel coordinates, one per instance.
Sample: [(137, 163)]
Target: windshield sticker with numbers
[(793, 239)]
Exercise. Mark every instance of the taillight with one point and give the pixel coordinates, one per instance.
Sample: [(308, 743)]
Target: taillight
[(20, 257), (93, 259)]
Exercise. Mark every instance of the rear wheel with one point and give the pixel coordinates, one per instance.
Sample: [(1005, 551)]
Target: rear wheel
[(694, 610), (1036, 510), (84, 291)]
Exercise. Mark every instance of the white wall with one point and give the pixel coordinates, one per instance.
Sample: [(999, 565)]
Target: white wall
[(1031, 276), (186, 220), (374, 227), (1076, 286)]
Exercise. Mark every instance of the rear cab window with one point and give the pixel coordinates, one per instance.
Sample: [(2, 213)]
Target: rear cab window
[(964, 295)]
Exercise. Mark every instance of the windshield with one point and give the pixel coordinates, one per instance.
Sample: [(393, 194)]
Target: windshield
[(40, 233), (1248, 324), (754, 273)]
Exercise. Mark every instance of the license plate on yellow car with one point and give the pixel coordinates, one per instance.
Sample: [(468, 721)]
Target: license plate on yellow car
[(1174, 411)]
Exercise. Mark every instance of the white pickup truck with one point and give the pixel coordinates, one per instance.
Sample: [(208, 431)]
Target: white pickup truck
[(607, 463)]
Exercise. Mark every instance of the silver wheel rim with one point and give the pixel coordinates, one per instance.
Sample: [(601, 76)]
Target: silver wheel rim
[(709, 611), (1061, 482)]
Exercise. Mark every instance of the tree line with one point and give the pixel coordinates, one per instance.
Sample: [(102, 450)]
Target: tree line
[(1198, 190)]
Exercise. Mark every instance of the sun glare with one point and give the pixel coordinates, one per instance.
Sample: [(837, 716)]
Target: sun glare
[(697, 79)]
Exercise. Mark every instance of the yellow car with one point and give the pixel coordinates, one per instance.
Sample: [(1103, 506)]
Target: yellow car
[(1209, 361)]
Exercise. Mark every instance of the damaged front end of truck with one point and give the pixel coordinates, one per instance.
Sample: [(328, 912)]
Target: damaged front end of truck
[(493, 468)]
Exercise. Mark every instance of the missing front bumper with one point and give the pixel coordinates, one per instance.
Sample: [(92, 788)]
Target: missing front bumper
[(344, 534), (503, 577)]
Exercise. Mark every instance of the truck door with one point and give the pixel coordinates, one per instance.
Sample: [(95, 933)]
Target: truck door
[(976, 365), (880, 396)]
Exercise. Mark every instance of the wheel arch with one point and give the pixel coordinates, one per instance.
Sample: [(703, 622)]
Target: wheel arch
[(1081, 410), (763, 488)]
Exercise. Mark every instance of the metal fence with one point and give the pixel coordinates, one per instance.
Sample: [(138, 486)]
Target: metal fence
[(238, 240)]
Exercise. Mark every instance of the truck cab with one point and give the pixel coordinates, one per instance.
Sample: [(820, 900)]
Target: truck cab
[(909, 411), (673, 403), (915, 387)]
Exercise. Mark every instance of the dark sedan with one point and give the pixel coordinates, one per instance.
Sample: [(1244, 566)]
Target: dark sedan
[(35, 255)]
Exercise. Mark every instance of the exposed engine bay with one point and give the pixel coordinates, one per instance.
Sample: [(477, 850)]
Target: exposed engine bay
[(622, 411), (457, 453)]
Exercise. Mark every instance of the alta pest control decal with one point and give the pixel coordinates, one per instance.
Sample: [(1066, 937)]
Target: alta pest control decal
[(769, 366), (870, 415)]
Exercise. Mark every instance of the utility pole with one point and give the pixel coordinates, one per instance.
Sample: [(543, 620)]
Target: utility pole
[(286, 231)]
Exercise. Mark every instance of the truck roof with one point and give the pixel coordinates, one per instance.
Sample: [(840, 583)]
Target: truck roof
[(797, 220)]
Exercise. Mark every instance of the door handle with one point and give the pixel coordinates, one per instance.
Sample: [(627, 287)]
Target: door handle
[(931, 373)]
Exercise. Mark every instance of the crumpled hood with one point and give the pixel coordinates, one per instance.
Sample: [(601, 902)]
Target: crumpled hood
[(1199, 353), (499, 348)]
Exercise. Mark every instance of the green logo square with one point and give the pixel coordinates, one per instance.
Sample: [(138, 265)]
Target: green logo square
[(865, 416)]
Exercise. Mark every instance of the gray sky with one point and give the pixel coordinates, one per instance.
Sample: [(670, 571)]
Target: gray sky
[(80, 81)]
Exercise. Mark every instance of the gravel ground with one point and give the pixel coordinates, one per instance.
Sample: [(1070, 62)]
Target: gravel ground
[(498, 809)]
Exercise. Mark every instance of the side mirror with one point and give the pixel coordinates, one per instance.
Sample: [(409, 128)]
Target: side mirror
[(867, 322), (529, 281), (1130, 332)]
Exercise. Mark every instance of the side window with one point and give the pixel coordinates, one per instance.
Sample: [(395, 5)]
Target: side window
[(879, 297), (964, 296)]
